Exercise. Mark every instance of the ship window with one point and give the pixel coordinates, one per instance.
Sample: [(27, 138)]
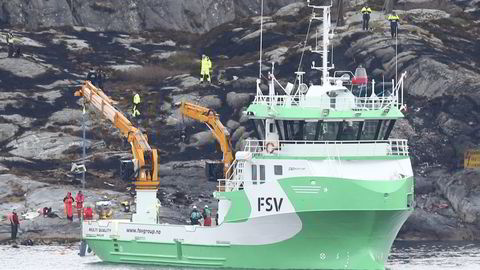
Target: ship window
[(310, 128), (262, 174), (385, 130), (254, 174), (259, 128), (278, 169), (329, 131), (272, 128), (369, 130), (350, 130)]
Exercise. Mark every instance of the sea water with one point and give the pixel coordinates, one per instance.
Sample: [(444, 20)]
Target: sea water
[(404, 255)]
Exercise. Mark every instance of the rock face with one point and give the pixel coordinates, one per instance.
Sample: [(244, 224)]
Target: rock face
[(44, 145), (7, 131), (197, 16)]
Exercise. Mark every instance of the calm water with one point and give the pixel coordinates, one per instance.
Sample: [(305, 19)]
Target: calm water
[(405, 255)]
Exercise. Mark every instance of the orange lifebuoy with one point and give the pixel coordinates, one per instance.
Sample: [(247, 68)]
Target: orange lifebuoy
[(270, 147)]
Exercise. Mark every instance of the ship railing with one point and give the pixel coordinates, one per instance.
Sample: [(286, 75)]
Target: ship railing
[(277, 100), (236, 184), (392, 147), (231, 173), (334, 103)]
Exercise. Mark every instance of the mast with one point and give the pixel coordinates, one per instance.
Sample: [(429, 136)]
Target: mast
[(326, 41), (326, 22)]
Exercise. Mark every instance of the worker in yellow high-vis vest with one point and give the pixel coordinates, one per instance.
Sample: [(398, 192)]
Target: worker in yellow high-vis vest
[(366, 10), (393, 18), (136, 105), (206, 69)]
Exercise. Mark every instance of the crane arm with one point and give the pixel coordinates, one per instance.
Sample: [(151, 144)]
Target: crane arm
[(144, 157), (212, 120)]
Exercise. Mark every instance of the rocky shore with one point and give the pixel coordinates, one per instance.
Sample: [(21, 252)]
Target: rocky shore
[(41, 120)]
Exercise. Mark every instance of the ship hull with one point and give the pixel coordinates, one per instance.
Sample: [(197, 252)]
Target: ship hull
[(314, 235)]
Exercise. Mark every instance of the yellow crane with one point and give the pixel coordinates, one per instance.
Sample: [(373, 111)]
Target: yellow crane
[(212, 120), (145, 159)]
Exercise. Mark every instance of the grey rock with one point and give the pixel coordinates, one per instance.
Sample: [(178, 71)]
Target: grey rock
[(163, 55), (66, 116), (462, 189), (3, 168), (238, 134), (453, 127), (434, 226), (212, 102), (202, 138), (49, 96), (131, 15), (187, 81), (290, 10), (125, 67), (424, 185), (232, 125), (7, 131), (44, 145), (238, 100), (22, 67), (56, 84), (424, 14), (277, 55)]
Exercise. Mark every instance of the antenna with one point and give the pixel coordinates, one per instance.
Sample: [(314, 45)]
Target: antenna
[(261, 41)]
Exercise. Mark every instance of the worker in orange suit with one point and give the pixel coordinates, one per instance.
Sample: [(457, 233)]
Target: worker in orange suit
[(80, 198), (68, 203)]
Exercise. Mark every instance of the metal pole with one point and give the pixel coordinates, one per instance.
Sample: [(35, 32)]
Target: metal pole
[(396, 53), (83, 146), (261, 41)]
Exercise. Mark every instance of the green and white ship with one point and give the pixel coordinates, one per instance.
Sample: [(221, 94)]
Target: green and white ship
[(323, 187)]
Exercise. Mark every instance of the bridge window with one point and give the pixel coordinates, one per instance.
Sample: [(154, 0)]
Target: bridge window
[(271, 128), (310, 131), (350, 131), (369, 130), (278, 169), (262, 174), (254, 174), (329, 131)]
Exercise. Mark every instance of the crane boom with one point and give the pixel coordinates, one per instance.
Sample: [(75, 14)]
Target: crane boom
[(212, 120), (145, 158)]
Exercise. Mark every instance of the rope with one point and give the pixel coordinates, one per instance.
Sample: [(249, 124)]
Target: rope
[(305, 45)]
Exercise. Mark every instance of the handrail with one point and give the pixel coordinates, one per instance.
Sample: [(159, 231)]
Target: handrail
[(396, 147), (356, 104), (372, 102)]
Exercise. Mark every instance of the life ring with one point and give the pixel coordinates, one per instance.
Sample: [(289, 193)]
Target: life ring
[(270, 147)]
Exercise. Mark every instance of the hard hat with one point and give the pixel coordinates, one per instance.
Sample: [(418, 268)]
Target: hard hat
[(206, 206), (194, 207)]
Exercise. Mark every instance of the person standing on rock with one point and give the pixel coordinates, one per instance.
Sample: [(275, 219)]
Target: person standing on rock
[(68, 203), (13, 50), (100, 79), (205, 70), (14, 224), (80, 199), (366, 10), (92, 77), (393, 18), (136, 104), (207, 216)]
